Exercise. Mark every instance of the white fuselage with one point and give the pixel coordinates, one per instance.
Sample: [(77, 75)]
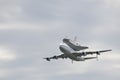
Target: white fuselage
[(68, 52)]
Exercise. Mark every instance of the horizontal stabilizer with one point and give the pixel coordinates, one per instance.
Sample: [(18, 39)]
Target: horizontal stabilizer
[(105, 50), (90, 58)]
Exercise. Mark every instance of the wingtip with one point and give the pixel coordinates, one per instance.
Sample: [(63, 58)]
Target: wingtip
[(48, 59), (110, 50)]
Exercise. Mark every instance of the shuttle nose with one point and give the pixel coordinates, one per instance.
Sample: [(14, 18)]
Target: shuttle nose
[(65, 40)]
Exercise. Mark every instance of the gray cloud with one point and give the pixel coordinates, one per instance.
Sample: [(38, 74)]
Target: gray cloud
[(31, 30)]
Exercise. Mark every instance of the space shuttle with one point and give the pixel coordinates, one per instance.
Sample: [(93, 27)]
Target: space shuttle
[(74, 44)]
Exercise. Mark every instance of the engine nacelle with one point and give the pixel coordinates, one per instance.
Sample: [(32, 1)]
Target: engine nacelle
[(55, 57), (98, 53), (48, 59), (84, 53)]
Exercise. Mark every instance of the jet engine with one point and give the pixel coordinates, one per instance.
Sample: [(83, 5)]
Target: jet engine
[(98, 53)]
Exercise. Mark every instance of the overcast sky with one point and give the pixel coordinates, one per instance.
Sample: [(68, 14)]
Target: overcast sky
[(33, 29)]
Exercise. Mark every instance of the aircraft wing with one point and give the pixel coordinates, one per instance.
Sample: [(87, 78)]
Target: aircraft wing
[(62, 56), (96, 52), (91, 52)]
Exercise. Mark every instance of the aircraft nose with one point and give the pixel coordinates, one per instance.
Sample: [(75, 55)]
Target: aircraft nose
[(61, 47)]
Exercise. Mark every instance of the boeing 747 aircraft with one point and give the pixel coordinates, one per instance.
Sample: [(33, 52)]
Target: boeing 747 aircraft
[(71, 49)]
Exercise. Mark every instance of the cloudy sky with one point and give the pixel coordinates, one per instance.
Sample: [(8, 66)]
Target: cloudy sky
[(33, 29)]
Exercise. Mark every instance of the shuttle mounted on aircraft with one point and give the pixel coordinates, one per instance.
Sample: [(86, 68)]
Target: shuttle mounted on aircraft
[(72, 49)]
